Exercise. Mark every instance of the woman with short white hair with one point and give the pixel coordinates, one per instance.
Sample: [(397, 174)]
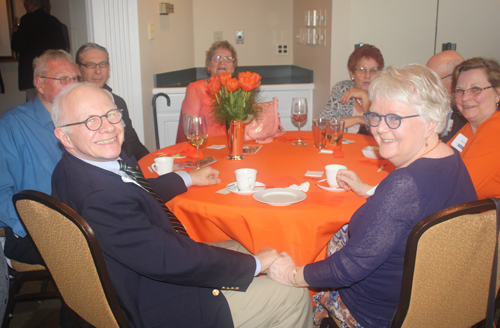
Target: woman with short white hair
[(365, 264)]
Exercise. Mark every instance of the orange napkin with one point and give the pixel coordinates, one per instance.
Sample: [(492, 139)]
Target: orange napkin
[(181, 149)]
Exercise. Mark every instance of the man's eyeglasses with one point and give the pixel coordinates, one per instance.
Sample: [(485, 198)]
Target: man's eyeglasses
[(363, 70), (93, 65), (62, 80), (94, 122), (473, 92), (221, 58), (444, 77), (393, 121)]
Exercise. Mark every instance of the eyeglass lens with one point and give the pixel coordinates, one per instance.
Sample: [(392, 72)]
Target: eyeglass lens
[(93, 65), (364, 70), (473, 92), (67, 80), (393, 121), (220, 58), (94, 123)]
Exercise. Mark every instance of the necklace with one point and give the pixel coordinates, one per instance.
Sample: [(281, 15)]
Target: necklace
[(439, 141), (358, 101)]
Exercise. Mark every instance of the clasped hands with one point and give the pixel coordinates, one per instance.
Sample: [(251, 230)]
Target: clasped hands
[(280, 267)]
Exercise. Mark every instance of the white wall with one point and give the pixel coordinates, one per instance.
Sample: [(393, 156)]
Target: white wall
[(265, 23), (473, 25), (171, 50)]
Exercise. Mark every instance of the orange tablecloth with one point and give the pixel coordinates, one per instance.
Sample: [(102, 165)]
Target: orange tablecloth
[(303, 229)]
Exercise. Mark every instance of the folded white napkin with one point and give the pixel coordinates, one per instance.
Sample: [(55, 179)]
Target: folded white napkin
[(303, 187)]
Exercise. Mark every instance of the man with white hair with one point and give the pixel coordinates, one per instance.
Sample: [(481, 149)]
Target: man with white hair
[(92, 62), (443, 64), (162, 278)]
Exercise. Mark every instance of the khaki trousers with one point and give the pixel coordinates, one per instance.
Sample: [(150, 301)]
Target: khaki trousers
[(266, 303)]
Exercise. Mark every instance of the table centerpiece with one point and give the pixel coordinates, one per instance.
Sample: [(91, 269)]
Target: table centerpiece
[(235, 104)]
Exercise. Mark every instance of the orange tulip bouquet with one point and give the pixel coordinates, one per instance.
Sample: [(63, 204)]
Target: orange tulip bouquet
[(235, 99)]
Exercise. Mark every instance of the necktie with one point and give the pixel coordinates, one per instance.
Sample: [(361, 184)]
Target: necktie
[(139, 178)]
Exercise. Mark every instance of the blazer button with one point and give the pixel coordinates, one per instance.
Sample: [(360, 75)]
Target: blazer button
[(215, 292)]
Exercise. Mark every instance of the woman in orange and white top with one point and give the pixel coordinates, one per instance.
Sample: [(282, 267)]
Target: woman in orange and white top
[(476, 92), (220, 58)]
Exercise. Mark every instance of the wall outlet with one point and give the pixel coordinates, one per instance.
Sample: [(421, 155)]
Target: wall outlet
[(240, 38), (282, 50)]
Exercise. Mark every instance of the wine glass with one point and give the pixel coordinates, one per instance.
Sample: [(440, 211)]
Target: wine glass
[(299, 114), (195, 129)]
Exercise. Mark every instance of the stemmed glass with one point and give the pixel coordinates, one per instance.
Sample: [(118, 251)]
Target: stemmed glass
[(299, 114), (195, 129)]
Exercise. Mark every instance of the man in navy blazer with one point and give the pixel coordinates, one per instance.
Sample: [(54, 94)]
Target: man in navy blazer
[(162, 278)]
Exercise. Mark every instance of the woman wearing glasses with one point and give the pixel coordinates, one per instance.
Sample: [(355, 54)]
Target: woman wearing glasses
[(349, 99), (221, 58), (365, 264), (476, 92)]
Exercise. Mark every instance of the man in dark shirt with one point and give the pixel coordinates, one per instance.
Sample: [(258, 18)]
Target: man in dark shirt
[(38, 31), (92, 62)]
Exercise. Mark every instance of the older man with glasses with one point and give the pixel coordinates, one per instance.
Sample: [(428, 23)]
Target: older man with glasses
[(443, 64), (29, 150), (92, 62)]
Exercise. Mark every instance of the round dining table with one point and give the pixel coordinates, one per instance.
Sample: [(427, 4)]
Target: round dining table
[(303, 229)]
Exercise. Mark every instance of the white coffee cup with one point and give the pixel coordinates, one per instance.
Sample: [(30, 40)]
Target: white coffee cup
[(245, 179), (331, 174), (163, 165)]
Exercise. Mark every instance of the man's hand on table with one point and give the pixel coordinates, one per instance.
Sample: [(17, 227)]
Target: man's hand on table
[(205, 176), (349, 180), (266, 257)]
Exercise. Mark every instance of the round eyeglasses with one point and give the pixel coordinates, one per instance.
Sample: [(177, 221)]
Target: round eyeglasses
[(63, 80), (94, 65), (225, 58), (94, 122), (473, 92), (393, 121)]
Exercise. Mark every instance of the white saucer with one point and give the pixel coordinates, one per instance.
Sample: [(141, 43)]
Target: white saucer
[(324, 185), (232, 187), (280, 196)]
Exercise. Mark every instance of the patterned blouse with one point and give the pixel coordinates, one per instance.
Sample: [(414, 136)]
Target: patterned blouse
[(334, 108)]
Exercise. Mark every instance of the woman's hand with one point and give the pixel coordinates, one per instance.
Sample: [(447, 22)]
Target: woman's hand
[(349, 180), (357, 94), (281, 271)]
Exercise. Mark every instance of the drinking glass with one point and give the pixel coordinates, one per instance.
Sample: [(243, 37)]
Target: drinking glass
[(299, 114), (195, 129)]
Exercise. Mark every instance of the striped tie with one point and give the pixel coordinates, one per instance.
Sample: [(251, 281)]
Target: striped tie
[(139, 178)]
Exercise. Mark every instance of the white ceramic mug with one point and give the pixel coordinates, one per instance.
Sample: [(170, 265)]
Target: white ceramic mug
[(163, 165), (245, 179), (331, 174)]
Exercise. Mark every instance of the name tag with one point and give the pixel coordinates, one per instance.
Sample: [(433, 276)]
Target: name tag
[(459, 142)]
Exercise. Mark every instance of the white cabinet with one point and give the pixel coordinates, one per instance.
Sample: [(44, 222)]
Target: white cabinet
[(168, 117)]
